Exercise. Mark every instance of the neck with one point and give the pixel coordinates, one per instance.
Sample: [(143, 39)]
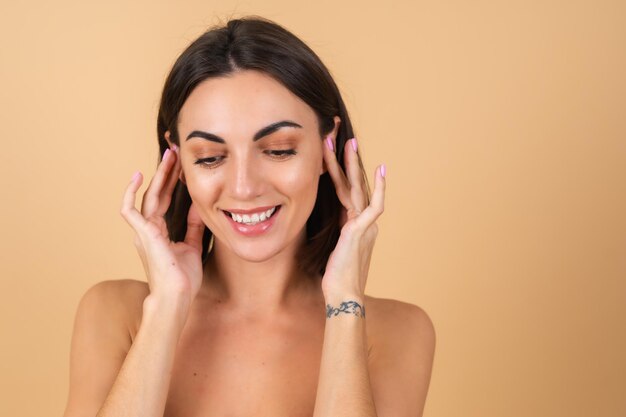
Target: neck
[(266, 287)]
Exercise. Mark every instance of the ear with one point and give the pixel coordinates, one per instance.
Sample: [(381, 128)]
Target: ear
[(167, 135), (333, 138), (167, 138)]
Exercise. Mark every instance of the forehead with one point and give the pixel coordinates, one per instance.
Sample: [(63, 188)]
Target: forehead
[(241, 103)]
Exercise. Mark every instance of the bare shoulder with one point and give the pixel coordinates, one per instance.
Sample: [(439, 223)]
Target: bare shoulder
[(388, 317), (402, 349), (123, 288), (118, 293), (106, 321), (122, 299)]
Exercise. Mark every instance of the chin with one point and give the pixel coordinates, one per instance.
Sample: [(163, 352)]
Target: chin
[(259, 250), (252, 253)]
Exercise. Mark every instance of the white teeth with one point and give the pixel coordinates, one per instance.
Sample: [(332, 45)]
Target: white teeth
[(254, 218)]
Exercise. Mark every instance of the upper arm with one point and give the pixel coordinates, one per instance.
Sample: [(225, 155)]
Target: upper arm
[(100, 341), (401, 364)]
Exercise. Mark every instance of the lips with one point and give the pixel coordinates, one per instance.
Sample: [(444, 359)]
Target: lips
[(254, 227), (253, 217)]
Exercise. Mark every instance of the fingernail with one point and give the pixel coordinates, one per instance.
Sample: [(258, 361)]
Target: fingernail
[(174, 147), (383, 170), (354, 146), (135, 176), (329, 143), (167, 152)]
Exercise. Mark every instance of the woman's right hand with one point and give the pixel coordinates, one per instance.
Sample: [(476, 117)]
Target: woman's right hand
[(174, 269)]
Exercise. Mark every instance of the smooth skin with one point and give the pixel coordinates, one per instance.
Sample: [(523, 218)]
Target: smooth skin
[(248, 330)]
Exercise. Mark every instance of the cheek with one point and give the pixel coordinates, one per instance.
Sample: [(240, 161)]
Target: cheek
[(300, 180), (203, 189)]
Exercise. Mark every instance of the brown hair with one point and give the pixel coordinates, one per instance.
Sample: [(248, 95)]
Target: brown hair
[(255, 43)]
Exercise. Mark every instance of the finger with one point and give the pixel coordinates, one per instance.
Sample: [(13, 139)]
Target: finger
[(377, 203), (355, 175), (128, 210), (172, 178), (195, 228), (340, 181), (150, 201)]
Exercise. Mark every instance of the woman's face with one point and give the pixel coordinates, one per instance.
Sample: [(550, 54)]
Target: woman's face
[(250, 148)]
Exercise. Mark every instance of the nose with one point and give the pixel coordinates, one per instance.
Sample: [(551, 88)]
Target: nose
[(245, 178)]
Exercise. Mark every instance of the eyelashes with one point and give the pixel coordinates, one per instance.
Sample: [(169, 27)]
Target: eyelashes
[(279, 155), (209, 162)]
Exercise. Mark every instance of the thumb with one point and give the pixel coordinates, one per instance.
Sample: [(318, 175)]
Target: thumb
[(195, 228)]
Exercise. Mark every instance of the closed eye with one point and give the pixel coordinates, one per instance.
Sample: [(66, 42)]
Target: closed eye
[(210, 162), (281, 153)]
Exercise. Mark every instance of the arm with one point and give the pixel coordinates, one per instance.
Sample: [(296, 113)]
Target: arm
[(344, 385), (104, 378), (344, 388), (107, 378), (396, 382)]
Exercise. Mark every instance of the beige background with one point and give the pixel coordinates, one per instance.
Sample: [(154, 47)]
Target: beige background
[(502, 125)]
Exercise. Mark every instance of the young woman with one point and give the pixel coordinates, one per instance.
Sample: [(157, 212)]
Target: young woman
[(256, 234)]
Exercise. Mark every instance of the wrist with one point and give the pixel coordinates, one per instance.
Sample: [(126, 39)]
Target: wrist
[(175, 308), (339, 296), (340, 305)]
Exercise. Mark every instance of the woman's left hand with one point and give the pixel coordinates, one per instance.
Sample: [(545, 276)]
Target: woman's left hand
[(348, 265)]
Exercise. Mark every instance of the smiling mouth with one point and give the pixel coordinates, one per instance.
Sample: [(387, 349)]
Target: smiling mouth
[(252, 218)]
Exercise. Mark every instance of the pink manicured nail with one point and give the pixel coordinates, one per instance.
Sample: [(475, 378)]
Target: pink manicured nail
[(135, 176), (354, 146), (383, 170), (329, 143), (167, 152), (174, 147)]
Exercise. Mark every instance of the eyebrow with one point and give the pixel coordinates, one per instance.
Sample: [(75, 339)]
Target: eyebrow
[(267, 130)]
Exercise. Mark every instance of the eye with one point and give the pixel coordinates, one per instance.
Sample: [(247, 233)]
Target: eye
[(211, 162), (281, 153)]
